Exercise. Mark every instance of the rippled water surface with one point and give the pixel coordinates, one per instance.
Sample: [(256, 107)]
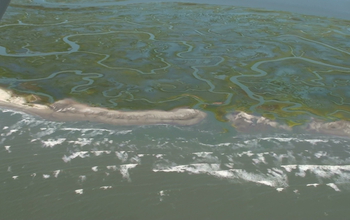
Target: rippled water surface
[(219, 59)]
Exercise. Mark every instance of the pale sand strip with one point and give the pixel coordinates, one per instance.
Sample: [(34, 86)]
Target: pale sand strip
[(247, 123), (70, 110), (338, 128)]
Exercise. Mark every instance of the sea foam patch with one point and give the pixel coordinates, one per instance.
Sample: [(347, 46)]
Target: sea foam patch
[(52, 142), (79, 191), (333, 186), (7, 148), (124, 170), (273, 178), (80, 154)]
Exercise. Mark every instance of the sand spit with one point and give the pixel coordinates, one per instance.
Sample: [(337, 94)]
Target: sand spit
[(247, 123), (70, 110), (244, 122), (338, 128)]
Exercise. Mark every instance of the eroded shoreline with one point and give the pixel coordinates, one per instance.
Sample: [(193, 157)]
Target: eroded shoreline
[(70, 110)]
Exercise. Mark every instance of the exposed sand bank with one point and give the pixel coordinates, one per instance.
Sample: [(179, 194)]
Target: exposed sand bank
[(70, 110), (338, 128), (244, 122), (247, 123)]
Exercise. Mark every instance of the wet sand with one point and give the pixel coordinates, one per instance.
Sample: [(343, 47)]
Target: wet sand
[(70, 110)]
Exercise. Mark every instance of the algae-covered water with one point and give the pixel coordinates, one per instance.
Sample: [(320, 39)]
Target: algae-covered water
[(287, 67)]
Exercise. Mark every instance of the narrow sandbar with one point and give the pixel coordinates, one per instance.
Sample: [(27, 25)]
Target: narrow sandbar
[(70, 110), (337, 128), (247, 123)]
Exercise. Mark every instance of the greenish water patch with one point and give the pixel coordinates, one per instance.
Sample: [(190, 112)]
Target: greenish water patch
[(166, 55)]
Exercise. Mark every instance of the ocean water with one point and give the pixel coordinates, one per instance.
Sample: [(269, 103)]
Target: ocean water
[(80, 170), (288, 69)]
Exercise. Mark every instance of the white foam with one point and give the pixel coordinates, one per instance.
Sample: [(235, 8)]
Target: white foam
[(7, 148), (11, 132), (203, 154), (226, 174), (79, 191), (82, 178), (81, 154), (122, 155), (52, 142), (124, 170), (320, 154), (214, 145), (106, 187), (229, 165), (95, 168), (248, 153), (124, 132), (325, 171), (162, 194), (281, 139), (112, 167), (191, 168), (280, 189), (312, 184), (33, 175), (46, 176), (100, 152), (333, 186), (83, 130), (6, 127), (158, 155), (135, 159), (206, 157), (274, 177), (339, 173), (82, 141), (260, 159), (56, 172), (46, 132), (289, 168)]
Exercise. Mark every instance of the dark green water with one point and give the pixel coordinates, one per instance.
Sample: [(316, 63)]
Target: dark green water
[(218, 59)]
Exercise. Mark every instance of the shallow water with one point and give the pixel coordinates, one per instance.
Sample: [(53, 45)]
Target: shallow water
[(88, 171), (218, 59)]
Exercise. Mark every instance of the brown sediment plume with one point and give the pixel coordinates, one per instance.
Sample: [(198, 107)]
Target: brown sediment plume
[(70, 110)]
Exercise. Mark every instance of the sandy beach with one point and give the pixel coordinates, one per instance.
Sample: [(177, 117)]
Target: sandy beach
[(70, 110)]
